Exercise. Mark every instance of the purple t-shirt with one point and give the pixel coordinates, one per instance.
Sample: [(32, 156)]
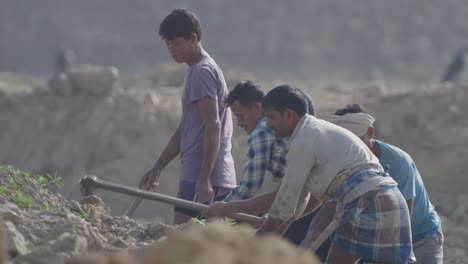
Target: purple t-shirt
[(202, 79)]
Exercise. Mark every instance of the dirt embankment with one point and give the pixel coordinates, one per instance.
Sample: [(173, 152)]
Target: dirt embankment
[(40, 227)]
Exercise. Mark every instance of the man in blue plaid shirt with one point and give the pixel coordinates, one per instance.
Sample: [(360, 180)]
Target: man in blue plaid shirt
[(266, 151)]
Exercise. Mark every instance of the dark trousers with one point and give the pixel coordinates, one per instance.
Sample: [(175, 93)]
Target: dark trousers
[(298, 230)]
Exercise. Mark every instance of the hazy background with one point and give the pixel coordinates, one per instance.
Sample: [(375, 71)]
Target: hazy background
[(316, 40)]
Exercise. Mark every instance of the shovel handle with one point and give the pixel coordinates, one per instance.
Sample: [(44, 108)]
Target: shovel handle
[(115, 187), (135, 203), (133, 206)]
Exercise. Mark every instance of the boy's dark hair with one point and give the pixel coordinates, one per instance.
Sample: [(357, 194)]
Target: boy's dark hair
[(350, 109), (180, 23), (287, 97), (246, 93)]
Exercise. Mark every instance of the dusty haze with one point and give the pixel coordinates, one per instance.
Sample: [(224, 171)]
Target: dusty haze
[(317, 40)]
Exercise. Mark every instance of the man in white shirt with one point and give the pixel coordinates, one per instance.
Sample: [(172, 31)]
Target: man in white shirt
[(329, 164)]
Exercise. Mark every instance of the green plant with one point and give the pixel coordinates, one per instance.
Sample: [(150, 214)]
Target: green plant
[(11, 181), (198, 221), (54, 179), (58, 210), (14, 171), (3, 189), (15, 187), (229, 221), (225, 220), (41, 180), (86, 214), (22, 200)]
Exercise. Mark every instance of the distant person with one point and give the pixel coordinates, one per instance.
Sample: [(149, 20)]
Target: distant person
[(328, 164), (60, 81), (64, 59), (203, 137), (425, 223), (457, 66)]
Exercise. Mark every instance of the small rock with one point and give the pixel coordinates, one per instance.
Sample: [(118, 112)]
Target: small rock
[(92, 79), (55, 251), (157, 231), (92, 199), (118, 242), (75, 206), (73, 217), (137, 234), (3, 252), (60, 84), (11, 207), (11, 216), (15, 242)]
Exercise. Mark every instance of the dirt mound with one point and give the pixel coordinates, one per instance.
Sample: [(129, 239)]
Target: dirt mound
[(213, 243), (220, 243)]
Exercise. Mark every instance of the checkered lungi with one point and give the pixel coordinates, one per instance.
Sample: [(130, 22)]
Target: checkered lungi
[(375, 225)]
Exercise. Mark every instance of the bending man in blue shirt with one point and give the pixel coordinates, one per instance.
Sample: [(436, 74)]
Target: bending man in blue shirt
[(425, 224)]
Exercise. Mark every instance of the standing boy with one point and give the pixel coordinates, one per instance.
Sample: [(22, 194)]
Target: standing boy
[(203, 138)]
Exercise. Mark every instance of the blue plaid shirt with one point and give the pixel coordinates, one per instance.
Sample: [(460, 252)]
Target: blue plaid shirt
[(266, 153)]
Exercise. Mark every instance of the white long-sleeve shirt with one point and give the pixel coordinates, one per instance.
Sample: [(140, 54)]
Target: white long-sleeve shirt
[(318, 152)]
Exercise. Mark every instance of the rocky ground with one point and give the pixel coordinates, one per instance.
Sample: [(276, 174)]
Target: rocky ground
[(42, 227)]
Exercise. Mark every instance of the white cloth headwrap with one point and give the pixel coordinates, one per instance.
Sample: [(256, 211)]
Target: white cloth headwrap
[(358, 123)]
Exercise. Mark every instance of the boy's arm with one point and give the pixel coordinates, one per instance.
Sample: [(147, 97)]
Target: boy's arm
[(208, 107), (171, 151)]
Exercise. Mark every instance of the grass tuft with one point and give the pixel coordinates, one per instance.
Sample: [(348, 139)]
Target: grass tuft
[(29, 191)]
